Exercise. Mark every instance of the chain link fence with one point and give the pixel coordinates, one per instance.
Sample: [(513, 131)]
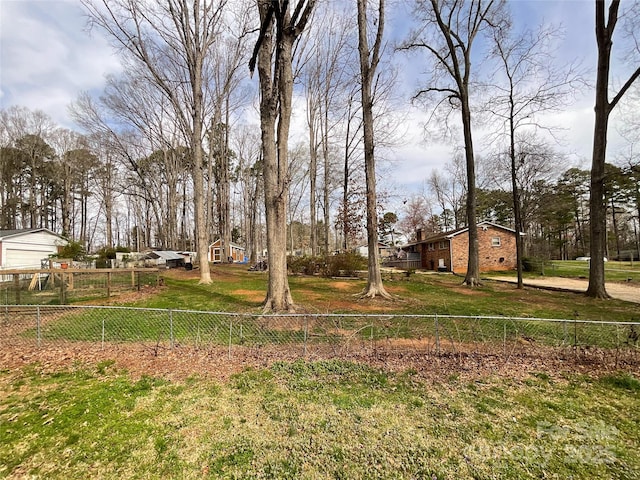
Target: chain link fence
[(318, 336)]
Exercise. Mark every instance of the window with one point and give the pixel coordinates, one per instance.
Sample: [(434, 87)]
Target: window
[(431, 247), (495, 242), (442, 245)]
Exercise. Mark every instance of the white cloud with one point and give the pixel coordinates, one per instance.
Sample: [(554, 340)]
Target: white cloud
[(47, 57)]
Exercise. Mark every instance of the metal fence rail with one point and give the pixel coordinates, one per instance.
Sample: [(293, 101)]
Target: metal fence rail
[(100, 327)]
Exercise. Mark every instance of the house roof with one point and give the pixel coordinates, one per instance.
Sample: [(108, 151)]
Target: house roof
[(480, 224), (452, 233), (234, 245), (25, 231)]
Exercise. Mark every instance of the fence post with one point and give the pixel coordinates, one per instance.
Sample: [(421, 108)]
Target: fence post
[(373, 337), (138, 275), (108, 284), (504, 338), (306, 333), (171, 343), (63, 290), (230, 333), (198, 333), (437, 336), (16, 284), (103, 334), (38, 330)]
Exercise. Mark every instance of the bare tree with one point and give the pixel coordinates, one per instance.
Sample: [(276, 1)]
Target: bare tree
[(171, 41), (133, 124), (450, 190), (249, 184), (369, 60), (605, 27), (451, 28), (527, 85), (274, 62), (416, 210), (325, 72)]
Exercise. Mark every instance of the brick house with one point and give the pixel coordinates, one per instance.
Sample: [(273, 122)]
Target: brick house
[(449, 251)]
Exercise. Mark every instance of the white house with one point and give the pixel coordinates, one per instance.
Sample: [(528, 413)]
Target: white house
[(384, 250), (28, 247)]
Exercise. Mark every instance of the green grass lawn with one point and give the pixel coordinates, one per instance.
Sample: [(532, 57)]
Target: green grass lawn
[(328, 419), (236, 290)]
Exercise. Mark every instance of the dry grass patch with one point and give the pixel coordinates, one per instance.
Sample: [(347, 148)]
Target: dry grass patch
[(251, 295)]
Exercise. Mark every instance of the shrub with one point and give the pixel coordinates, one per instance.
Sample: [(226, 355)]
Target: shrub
[(534, 265), (305, 265), (345, 264), (72, 250), (106, 254)]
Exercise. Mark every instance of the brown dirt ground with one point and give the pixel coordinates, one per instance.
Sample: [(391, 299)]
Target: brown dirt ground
[(629, 293), (218, 363)]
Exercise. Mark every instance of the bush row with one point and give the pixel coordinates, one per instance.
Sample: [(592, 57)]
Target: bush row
[(341, 264)]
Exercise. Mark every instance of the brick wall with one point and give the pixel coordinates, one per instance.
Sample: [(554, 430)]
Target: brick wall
[(431, 258), (491, 257)]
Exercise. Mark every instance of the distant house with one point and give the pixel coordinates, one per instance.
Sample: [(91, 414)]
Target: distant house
[(449, 251), (215, 252), (27, 248), (384, 250)]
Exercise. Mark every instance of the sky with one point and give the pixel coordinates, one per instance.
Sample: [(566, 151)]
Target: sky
[(48, 56)]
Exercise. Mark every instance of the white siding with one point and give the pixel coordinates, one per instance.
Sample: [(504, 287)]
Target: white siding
[(28, 249), (23, 258)]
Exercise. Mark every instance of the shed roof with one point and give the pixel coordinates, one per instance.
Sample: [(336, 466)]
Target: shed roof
[(167, 255)]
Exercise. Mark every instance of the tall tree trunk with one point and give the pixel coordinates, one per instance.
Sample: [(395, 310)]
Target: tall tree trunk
[(345, 182), (276, 89), (614, 220), (225, 191), (313, 172), (67, 200), (253, 224), (367, 70), (472, 277), (108, 201), (603, 107), (597, 224), (326, 186), (517, 211)]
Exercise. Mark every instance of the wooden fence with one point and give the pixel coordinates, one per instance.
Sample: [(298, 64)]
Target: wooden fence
[(59, 285)]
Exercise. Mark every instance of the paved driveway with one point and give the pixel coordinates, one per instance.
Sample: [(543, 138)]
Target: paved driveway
[(629, 293)]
